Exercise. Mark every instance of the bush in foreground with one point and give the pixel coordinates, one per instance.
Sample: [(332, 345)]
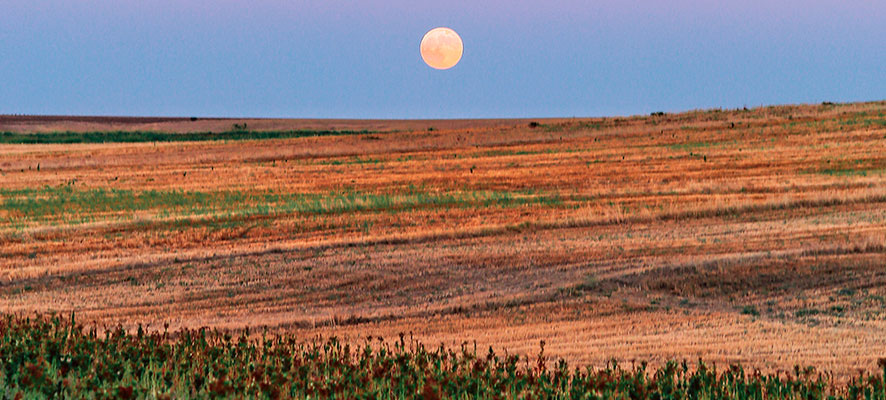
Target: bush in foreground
[(49, 357)]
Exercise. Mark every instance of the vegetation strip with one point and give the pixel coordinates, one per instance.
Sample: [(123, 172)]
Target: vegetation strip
[(51, 202), (50, 357), (149, 136)]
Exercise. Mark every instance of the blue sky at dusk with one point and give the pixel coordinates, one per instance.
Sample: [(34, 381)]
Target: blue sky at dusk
[(360, 59)]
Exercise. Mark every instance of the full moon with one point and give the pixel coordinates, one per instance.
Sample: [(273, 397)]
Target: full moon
[(441, 48)]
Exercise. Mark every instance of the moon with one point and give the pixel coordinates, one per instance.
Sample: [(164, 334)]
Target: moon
[(441, 48)]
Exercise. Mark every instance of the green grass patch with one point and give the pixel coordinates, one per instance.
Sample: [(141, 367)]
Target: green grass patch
[(691, 145), (851, 171), (806, 312), (750, 310), (505, 153), (864, 122), (356, 161), (148, 136), (73, 205), (508, 153), (572, 127)]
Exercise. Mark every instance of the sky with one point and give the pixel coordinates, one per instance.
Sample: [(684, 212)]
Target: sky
[(360, 58)]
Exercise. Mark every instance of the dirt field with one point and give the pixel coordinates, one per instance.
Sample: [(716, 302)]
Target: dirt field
[(754, 236)]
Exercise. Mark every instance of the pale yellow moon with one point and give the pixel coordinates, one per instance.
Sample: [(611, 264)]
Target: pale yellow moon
[(441, 48)]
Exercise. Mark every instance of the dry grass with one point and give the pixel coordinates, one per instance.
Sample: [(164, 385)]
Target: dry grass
[(756, 236)]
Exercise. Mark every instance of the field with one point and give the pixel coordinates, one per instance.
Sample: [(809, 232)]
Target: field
[(735, 236)]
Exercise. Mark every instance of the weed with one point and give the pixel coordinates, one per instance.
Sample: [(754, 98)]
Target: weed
[(806, 312), (48, 357), (750, 310)]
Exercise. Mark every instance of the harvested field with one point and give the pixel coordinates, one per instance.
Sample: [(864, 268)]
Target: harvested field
[(754, 236)]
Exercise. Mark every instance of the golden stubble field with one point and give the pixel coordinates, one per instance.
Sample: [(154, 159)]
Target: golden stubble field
[(754, 236)]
